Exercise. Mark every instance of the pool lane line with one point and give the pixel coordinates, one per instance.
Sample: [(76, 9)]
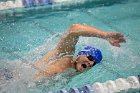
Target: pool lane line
[(118, 85)]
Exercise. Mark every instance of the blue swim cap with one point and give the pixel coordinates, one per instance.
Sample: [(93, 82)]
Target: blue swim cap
[(94, 52)]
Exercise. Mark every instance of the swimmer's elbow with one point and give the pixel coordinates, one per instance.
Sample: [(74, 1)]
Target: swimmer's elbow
[(74, 27)]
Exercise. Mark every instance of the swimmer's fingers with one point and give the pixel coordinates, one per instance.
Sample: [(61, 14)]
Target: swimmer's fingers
[(118, 36), (122, 40), (115, 38), (114, 43), (115, 35)]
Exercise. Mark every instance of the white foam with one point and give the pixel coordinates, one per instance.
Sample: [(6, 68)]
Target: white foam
[(22, 74)]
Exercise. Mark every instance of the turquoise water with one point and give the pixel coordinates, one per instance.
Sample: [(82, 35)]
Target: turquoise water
[(26, 35)]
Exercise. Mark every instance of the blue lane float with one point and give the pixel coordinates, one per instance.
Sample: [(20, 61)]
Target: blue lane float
[(31, 3), (74, 90)]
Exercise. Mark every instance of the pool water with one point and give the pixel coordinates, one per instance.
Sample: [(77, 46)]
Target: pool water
[(27, 34)]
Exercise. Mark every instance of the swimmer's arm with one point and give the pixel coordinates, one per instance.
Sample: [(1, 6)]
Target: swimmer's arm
[(42, 73), (69, 40), (48, 71), (45, 59), (88, 31)]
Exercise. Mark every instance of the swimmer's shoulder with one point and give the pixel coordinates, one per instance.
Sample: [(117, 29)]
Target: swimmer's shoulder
[(46, 58)]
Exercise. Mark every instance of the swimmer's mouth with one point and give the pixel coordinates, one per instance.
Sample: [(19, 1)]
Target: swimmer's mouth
[(84, 66)]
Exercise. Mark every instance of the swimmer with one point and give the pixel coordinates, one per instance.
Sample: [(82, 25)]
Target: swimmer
[(63, 53)]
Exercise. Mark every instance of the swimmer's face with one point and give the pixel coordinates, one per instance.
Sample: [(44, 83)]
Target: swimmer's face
[(83, 62)]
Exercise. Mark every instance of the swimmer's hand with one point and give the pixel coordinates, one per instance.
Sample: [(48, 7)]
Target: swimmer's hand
[(115, 38)]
